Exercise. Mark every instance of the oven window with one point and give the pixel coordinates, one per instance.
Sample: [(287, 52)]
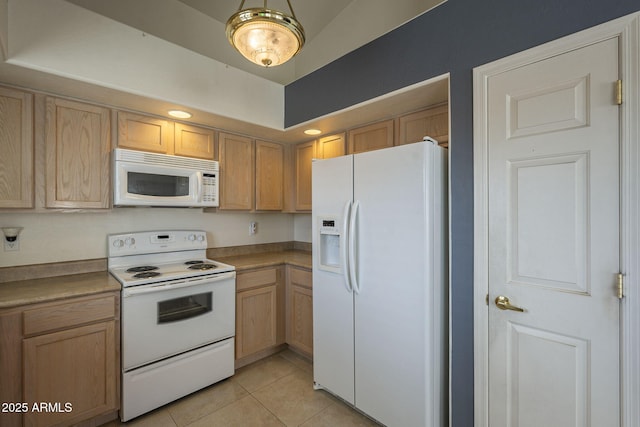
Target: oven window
[(149, 184), (184, 308)]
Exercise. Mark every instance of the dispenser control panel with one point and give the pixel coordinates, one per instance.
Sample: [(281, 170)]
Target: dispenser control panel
[(329, 227), (330, 241)]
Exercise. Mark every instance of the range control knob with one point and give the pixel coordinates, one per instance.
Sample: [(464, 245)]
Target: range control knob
[(192, 237), (129, 241), (118, 243), (200, 237)]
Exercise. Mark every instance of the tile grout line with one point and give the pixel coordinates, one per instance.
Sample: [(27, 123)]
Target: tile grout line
[(296, 368), (220, 408)]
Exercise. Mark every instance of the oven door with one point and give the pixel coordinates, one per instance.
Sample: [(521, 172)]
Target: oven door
[(137, 184), (164, 319)]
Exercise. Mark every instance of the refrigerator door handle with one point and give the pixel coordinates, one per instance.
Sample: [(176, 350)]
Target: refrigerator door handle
[(344, 251), (352, 248)]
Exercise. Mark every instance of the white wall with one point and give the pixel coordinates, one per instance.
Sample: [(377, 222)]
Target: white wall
[(63, 39), (302, 228), (67, 236)]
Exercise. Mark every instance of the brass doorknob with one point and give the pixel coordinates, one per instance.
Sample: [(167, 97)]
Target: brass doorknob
[(503, 303)]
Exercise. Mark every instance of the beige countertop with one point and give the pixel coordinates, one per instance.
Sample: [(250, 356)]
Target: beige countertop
[(267, 259), (23, 292)]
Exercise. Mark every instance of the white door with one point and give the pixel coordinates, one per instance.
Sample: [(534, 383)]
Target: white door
[(553, 166)]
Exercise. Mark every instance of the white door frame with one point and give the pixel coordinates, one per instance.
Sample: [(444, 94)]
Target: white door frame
[(627, 29)]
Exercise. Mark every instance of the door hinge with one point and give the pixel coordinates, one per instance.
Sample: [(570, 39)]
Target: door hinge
[(620, 286), (619, 92), (486, 300)]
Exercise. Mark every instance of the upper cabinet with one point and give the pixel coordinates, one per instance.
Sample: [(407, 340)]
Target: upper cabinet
[(433, 122), (331, 146), (409, 128), (323, 148), (251, 174), (158, 135), (56, 153), (16, 146), (194, 141), (371, 137), (77, 153), (269, 176), (237, 177), (145, 133), (304, 155)]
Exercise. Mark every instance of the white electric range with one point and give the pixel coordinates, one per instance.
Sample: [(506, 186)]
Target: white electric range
[(178, 316)]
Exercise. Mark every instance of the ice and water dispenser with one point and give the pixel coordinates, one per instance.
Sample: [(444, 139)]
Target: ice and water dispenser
[(330, 234)]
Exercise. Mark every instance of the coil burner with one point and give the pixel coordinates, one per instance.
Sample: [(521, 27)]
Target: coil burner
[(141, 269), (146, 274), (202, 266)]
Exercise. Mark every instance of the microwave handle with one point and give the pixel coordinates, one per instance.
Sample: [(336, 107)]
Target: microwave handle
[(199, 178)]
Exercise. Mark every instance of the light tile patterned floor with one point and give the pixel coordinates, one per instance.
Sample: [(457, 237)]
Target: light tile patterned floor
[(277, 391)]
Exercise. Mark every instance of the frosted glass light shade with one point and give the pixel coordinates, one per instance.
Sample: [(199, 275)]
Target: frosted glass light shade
[(264, 36)]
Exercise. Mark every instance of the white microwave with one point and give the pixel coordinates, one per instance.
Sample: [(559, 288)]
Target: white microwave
[(148, 179)]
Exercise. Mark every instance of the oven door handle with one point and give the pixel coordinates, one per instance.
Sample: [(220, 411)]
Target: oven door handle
[(161, 287)]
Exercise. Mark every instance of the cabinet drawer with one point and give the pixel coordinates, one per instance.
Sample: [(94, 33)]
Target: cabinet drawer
[(256, 278), (69, 314), (301, 277)]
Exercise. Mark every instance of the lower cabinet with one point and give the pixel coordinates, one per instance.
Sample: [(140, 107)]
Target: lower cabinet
[(274, 306), (72, 370), (68, 370), (300, 310), (260, 313)]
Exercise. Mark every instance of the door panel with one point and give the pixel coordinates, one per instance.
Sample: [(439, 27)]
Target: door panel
[(553, 133), (333, 347), (525, 347), (532, 260)]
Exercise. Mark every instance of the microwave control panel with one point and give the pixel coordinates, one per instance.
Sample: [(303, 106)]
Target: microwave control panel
[(210, 189)]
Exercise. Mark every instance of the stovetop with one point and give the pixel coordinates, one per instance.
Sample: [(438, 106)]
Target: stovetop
[(157, 256), (133, 275)]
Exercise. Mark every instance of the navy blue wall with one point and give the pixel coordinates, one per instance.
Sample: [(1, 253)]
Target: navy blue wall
[(454, 38)]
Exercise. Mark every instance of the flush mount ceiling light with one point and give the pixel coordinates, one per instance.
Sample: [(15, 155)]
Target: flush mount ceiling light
[(180, 114), (265, 36)]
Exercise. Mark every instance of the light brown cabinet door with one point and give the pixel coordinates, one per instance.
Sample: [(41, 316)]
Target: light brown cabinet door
[(305, 153), (78, 143), (300, 310), (256, 320), (433, 122), (16, 148), (237, 170), (76, 367), (138, 132), (260, 312), (331, 146), (371, 137), (269, 176), (194, 141)]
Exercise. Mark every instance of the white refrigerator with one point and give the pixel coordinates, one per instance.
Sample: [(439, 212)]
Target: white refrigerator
[(380, 300)]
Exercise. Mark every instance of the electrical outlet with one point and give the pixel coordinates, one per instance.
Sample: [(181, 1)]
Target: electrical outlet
[(253, 228)]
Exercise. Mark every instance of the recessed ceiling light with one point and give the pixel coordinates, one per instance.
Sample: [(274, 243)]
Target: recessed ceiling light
[(313, 132), (180, 114)]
